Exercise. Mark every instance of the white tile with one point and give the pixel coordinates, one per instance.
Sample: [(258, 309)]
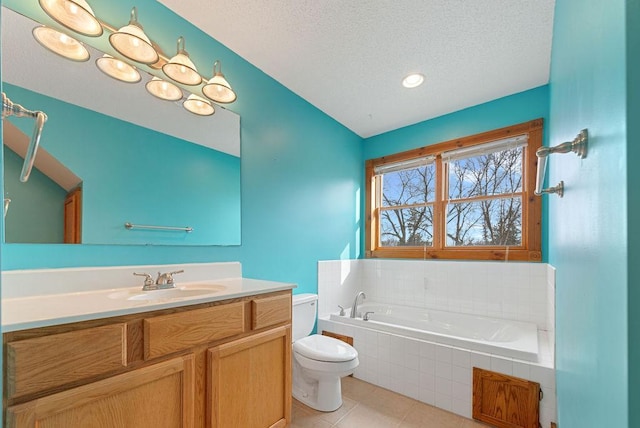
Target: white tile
[(461, 358), (428, 350), (444, 370), (427, 381), (443, 386), (482, 361), (427, 365), (428, 396), (443, 401), (502, 365), (461, 391), (411, 361), (462, 375), (461, 407), (544, 376), (444, 354), (521, 370)]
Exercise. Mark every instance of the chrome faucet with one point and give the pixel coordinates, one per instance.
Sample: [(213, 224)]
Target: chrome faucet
[(354, 308), (163, 281)]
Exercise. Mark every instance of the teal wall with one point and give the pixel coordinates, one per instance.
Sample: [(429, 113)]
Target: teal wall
[(506, 111), (633, 207), (36, 211), (301, 175), (588, 227)]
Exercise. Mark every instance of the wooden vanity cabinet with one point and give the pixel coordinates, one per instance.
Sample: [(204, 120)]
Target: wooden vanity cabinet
[(222, 364)]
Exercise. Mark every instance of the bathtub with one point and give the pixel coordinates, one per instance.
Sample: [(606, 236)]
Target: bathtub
[(506, 338)]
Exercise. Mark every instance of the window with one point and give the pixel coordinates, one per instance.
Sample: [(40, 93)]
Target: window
[(470, 198)]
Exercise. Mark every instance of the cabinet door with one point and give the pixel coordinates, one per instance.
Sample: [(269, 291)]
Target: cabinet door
[(156, 396), (249, 381)]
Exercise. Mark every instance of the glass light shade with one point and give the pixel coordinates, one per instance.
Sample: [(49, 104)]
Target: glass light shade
[(76, 15), (61, 44), (181, 69), (118, 69), (163, 89), (217, 88), (133, 43), (198, 105)]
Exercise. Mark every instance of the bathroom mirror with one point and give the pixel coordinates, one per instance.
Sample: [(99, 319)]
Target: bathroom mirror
[(112, 154)]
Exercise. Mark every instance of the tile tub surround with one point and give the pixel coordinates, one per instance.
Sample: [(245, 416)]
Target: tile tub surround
[(435, 374), (517, 291), (514, 291)]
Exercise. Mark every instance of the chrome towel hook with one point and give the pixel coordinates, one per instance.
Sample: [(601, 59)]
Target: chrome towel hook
[(577, 146), (11, 109)]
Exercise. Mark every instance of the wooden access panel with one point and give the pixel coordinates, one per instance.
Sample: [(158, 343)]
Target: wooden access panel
[(161, 395), (505, 401)]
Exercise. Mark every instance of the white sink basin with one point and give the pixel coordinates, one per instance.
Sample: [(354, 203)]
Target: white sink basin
[(180, 292)]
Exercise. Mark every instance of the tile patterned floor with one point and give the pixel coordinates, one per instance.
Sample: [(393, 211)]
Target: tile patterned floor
[(368, 406)]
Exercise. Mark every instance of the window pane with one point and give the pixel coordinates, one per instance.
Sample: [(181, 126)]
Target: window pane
[(409, 186), (491, 174), (409, 227), (489, 222)]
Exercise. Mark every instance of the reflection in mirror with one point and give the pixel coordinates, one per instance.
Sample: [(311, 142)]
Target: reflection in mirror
[(112, 154)]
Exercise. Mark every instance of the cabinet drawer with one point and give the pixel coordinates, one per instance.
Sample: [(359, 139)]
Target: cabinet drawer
[(46, 362), (269, 311), (174, 332)]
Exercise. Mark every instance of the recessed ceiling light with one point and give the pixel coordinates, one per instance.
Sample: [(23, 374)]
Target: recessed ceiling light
[(413, 80)]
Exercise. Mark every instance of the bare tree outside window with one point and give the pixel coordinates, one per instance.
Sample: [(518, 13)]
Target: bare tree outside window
[(485, 206), (482, 208), (407, 212)]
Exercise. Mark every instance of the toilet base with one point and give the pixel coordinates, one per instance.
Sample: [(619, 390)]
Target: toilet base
[(324, 395)]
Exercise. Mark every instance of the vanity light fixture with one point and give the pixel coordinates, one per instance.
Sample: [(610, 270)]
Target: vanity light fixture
[(76, 15), (198, 105), (133, 43), (413, 80), (132, 48), (163, 89), (61, 44), (218, 89), (180, 68), (118, 69)]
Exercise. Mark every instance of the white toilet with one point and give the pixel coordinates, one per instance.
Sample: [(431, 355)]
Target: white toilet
[(318, 361)]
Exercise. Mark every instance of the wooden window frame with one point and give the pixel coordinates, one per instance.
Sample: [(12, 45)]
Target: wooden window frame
[(530, 250)]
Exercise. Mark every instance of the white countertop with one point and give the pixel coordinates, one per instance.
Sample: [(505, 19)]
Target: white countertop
[(20, 313)]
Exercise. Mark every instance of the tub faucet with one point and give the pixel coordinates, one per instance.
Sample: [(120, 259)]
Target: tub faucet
[(354, 308)]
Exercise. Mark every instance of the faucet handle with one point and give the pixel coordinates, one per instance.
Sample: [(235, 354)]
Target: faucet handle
[(341, 310), (148, 279), (366, 316), (167, 278)]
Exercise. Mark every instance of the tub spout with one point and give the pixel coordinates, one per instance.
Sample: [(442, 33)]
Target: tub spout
[(354, 308)]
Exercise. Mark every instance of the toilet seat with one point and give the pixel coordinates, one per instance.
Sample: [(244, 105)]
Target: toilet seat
[(324, 348)]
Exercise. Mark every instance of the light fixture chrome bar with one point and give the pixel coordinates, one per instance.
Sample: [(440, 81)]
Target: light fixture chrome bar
[(577, 146), (144, 226), (11, 109)]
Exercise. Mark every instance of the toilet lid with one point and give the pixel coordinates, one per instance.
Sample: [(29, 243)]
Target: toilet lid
[(324, 348)]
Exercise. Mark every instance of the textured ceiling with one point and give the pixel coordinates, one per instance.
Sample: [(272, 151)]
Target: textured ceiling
[(348, 57)]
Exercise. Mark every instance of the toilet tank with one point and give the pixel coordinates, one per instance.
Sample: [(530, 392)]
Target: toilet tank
[(305, 309)]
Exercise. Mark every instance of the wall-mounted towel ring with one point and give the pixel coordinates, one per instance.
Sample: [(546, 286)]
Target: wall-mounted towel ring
[(11, 109), (577, 146)]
